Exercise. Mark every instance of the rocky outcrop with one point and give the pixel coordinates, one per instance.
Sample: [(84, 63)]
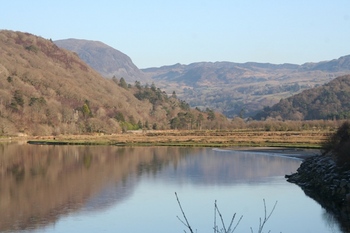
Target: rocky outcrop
[(321, 179)]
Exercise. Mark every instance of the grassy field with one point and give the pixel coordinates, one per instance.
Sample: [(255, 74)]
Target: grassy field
[(301, 139)]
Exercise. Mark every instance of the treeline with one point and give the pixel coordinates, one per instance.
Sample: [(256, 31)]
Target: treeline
[(178, 113), (330, 101)]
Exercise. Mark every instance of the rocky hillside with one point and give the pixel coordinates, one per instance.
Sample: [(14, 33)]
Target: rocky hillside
[(243, 88), (46, 90), (104, 59), (330, 101)]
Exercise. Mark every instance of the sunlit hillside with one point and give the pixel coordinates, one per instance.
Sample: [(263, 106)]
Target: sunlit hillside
[(45, 90)]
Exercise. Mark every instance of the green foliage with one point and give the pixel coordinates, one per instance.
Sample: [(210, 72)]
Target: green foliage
[(338, 144), (211, 114), (184, 105), (153, 94), (138, 85), (9, 79), (174, 123), (86, 110), (146, 125), (38, 101), (18, 98), (128, 126), (139, 123), (123, 83), (120, 117), (155, 126), (183, 120), (32, 48)]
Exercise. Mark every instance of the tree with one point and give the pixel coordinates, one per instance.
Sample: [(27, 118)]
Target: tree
[(18, 98), (174, 95), (138, 85), (339, 145), (146, 125), (122, 83), (199, 121), (174, 123), (115, 80), (119, 117), (155, 126), (139, 123), (153, 87), (211, 115), (86, 110)]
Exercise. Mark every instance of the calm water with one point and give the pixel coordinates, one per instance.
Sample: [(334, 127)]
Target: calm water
[(111, 189)]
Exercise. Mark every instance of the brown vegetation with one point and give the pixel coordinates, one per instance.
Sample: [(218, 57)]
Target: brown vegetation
[(338, 145), (45, 90), (330, 101)]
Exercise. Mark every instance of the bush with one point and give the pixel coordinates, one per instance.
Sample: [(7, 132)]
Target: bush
[(338, 145)]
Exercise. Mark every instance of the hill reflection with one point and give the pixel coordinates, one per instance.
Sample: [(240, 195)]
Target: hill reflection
[(38, 184)]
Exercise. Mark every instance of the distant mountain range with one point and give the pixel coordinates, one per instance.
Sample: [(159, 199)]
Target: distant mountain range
[(231, 88), (243, 88)]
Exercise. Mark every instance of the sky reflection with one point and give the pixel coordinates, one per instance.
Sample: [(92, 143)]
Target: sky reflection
[(111, 189)]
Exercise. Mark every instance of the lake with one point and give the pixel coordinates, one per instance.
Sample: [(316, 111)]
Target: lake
[(132, 189)]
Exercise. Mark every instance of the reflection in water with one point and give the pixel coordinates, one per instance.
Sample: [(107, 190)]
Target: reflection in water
[(228, 167), (40, 184)]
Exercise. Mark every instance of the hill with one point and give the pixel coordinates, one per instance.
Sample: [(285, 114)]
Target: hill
[(243, 88), (104, 59), (235, 89), (330, 101), (46, 90)]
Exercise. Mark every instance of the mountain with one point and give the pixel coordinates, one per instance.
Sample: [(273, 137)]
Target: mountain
[(46, 90), (330, 101), (104, 59), (235, 89), (243, 88)]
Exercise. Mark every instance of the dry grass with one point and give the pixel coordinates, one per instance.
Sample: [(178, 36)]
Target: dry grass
[(312, 139)]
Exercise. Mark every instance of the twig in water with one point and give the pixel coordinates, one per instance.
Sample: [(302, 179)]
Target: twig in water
[(187, 224), (223, 223), (266, 218)]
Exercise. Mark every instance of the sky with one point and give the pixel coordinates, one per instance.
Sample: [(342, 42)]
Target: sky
[(154, 33)]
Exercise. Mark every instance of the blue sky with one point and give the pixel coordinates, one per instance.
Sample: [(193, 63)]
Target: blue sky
[(154, 33)]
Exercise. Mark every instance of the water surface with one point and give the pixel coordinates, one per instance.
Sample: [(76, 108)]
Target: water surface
[(113, 189)]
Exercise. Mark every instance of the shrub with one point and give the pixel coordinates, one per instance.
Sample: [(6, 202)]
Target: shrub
[(338, 145)]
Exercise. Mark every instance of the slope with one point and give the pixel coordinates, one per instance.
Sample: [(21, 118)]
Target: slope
[(233, 88), (330, 101), (104, 59), (46, 90)]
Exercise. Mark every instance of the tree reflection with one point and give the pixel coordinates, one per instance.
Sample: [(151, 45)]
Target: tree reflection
[(38, 184)]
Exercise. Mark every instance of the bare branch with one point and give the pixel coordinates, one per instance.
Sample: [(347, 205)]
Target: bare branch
[(222, 220), (266, 218), (187, 224)]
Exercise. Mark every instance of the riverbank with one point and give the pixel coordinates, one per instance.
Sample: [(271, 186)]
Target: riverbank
[(238, 138), (321, 179)]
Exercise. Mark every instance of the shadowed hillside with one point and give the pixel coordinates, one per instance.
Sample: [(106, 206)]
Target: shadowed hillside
[(330, 101), (46, 90)]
